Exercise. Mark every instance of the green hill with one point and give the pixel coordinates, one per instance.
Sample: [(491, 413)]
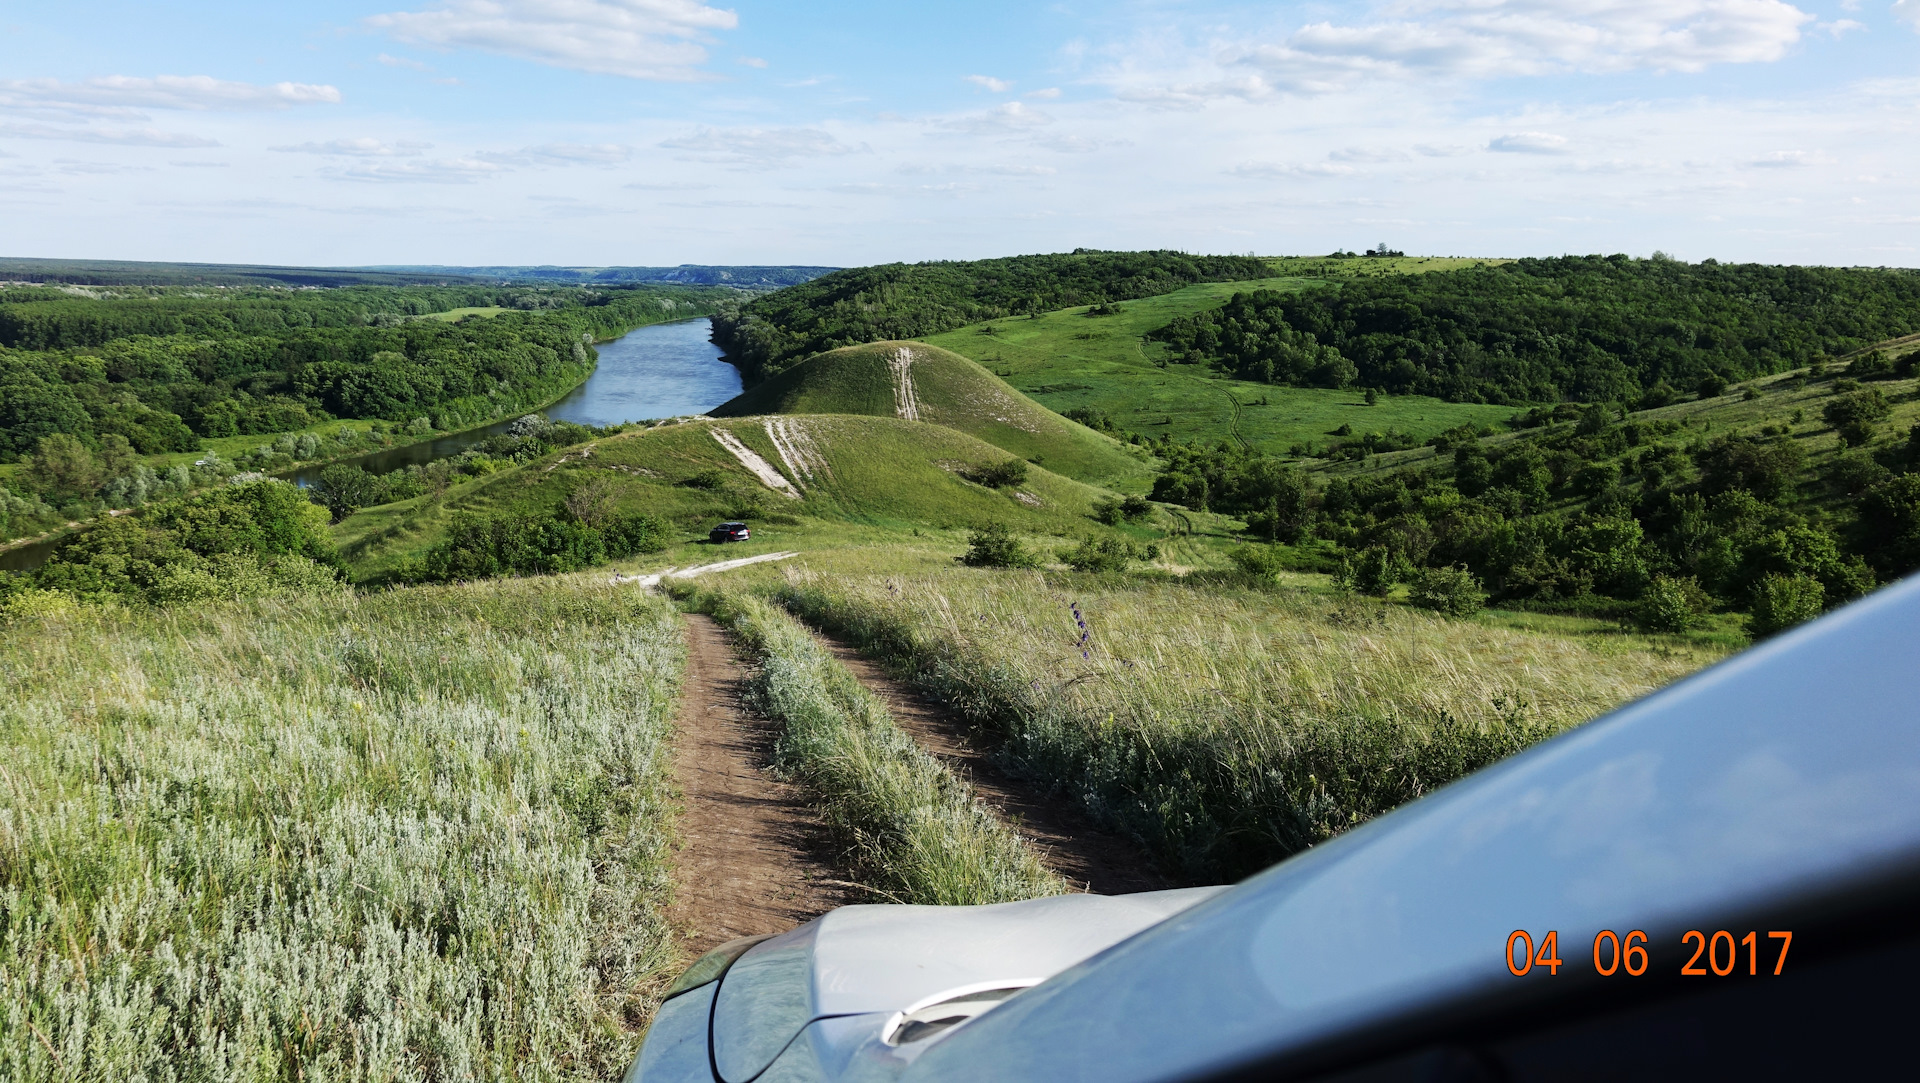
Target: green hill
[(915, 381), (828, 478)]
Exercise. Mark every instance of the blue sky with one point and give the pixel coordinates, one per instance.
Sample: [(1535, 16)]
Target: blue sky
[(667, 131)]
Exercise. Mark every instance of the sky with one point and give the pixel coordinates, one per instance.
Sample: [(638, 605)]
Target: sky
[(848, 132)]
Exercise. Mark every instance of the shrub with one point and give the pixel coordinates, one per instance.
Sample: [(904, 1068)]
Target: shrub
[(1782, 601), (1136, 509), (1105, 555), (1711, 386), (1378, 570), (481, 548), (1107, 511), (1453, 591), (1855, 414), (994, 546), (1004, 475), (706, 479), (1260, 561), (1670, 605)]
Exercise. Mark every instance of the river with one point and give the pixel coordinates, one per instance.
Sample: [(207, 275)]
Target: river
[(662, 370)]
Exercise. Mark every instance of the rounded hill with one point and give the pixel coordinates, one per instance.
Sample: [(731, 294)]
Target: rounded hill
[(918, 382)]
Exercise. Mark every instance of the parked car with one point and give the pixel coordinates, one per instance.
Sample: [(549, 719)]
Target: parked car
[(1715, 882), (729, 532)]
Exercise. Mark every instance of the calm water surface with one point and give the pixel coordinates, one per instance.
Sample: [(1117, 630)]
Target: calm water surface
[(665, 370)]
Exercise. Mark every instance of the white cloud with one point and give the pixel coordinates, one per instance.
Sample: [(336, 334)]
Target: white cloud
[(640, 39), (1840, 26), (1047, 93), (419, 171), (1499, 38), (1279, 169), (1908, 11), (1442, 150), (564, 154), (359, 148), (751, 61), (1367, 154), (1529, 143), (757, 148), (403, 62), (120, 94), (1011, 117), (1782, 159), (126, 137), (998, 86)]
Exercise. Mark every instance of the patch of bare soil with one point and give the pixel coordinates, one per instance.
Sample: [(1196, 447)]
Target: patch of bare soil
[(1070, 844), (751, 859)]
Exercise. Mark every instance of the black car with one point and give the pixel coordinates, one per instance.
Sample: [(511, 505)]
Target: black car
[(729, 532)]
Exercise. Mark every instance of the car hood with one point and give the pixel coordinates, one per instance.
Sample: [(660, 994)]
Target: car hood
[(865, 959)]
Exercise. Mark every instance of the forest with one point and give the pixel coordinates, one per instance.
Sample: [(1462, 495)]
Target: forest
[(1591, 510), (771, 333), (165, 368), (1576, 328)]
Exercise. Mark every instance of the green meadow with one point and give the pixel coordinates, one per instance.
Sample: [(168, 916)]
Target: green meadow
[(1072, 359)]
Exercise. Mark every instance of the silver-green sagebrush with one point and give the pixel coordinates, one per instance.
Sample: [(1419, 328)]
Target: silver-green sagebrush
[(406, 836)]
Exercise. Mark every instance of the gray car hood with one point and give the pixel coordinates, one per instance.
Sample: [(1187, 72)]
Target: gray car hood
[(864, 959)]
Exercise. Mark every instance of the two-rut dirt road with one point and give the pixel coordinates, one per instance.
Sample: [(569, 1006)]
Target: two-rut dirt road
[(754, 857)]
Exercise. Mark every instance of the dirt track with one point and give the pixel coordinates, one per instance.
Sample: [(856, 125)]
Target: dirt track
[(751, 857), (754, 857), (1092, 859)]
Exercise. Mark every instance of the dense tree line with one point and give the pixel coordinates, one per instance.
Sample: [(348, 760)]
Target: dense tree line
[(163, 370), (257, 538), (1592, 329), (899, 300), (1587, 512)]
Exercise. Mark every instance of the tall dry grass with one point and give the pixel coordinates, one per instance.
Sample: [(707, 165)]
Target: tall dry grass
[(911, 827), (408, 836), (1223, 728)]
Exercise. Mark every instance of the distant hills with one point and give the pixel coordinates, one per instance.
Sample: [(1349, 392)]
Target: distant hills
[(81, 272), (687, 274)]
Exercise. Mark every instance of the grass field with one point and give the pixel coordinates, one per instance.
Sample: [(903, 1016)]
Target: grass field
[(946, 389), (406, 836), (1069, 359), (1225, 727), (455, 315)]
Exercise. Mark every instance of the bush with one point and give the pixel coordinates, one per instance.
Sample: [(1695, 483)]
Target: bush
[(1711, 386), (482, 548), (1782, 601), (1670, 605), (994, 546), (1107, 511), (1004, 475), (1453, 591), (1260, 561), (1377, 570), (1105, 555)]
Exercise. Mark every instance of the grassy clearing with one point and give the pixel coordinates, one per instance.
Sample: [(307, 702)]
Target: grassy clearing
[(1069, 360), (1223, 727), (455, 315), (912, 829), (413, 835)]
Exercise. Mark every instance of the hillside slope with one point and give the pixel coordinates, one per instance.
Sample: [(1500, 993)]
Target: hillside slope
[(839, 472), (918, 382)]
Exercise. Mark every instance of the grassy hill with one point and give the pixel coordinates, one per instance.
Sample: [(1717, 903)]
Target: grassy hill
[(1072, 359), (843, 479), (945, 389)]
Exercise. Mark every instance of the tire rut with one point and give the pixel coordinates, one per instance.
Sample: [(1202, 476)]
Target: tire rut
[(1065, 840), (751, 855)]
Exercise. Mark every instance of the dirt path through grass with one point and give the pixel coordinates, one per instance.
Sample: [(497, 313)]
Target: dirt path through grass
[(1065, 840), (751, 856)]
